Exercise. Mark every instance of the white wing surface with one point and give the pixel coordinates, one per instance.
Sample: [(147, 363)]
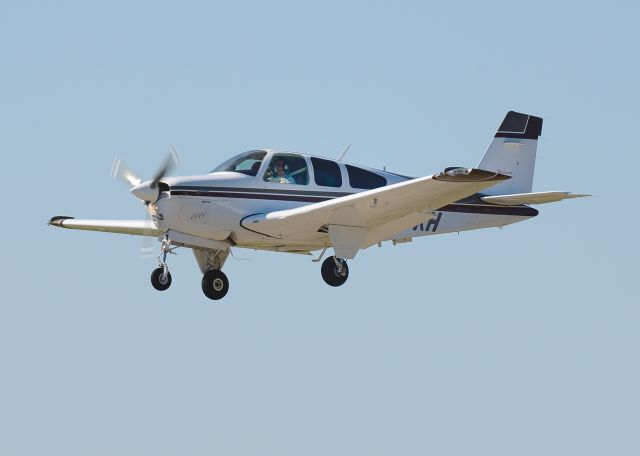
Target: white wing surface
[(351, 221), (135, 227), (531, 198)]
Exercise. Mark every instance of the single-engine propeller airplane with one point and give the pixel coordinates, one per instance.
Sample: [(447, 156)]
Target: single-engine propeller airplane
[(298, 203)]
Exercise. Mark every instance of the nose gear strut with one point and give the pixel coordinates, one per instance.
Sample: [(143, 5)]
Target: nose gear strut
[(161, 277)]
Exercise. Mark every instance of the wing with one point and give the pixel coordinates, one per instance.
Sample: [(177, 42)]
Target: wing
[(531, 198), (351, 221), (136, 227)]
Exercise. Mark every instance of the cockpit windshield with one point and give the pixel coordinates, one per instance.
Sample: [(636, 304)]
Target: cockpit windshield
[(246, 163)]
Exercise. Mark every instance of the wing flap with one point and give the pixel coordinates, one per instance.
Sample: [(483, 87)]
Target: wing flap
[(134, 227), (531, 198)]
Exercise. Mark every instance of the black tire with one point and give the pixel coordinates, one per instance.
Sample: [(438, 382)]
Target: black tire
[(215, 284), (331, 274), (157, 279)]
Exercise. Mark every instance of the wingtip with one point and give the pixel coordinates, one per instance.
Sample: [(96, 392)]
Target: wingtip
[(58, 219), (571, 195), (457, 174)]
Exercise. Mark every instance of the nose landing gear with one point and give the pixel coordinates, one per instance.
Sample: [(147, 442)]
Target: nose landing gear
[(161, 277), (335, 271)]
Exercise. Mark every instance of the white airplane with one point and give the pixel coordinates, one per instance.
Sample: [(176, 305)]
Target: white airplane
[(298, 203)]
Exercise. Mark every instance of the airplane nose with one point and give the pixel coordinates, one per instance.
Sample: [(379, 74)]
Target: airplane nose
[(146, 192)]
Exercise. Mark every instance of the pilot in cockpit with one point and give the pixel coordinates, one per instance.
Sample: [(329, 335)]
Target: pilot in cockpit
[(280, 174), (255, 167)]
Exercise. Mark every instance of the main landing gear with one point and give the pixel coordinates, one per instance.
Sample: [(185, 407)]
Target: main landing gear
[(215, 284), (335, 271)]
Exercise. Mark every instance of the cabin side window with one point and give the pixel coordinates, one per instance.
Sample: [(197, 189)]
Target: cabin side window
[(287, 169), (246, 163), (326, 173), (361, 178)]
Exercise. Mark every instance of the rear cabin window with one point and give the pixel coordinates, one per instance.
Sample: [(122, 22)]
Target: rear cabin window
[(361, 178), (326, 173)]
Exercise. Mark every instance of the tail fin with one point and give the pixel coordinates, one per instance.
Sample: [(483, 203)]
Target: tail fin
[(513, 152)]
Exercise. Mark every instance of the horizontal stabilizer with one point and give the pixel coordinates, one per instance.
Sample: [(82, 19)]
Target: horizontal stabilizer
[(531, 198), (137, 227)]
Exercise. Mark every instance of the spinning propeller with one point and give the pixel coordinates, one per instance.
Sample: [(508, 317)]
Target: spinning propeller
[(147, 191)]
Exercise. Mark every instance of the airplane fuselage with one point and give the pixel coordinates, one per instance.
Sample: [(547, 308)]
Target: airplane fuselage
[(216, 206)]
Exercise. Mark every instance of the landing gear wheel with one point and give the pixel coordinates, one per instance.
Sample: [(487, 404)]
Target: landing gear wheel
[(333, 274), (215, 284), (159, 280)]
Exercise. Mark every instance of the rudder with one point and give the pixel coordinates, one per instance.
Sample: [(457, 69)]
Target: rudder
[(513, 152)]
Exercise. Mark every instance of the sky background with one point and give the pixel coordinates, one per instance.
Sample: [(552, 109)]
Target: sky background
[(495, 342)]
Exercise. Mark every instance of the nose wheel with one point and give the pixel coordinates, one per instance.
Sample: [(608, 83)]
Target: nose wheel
[(215, 284), (335, 271), (161, 277)]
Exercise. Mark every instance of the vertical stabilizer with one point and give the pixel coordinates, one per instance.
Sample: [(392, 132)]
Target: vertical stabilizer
[(513, 152)]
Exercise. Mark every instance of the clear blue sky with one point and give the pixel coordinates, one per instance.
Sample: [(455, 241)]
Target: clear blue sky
[(497, 342)]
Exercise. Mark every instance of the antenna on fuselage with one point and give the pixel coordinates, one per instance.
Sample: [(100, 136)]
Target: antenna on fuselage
[(344, 153)]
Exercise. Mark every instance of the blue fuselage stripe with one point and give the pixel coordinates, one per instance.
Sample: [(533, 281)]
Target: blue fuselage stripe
[(317, 197)]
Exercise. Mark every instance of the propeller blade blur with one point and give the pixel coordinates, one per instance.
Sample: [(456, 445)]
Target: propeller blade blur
[(172, 161), (147, 242), (122, 172)]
